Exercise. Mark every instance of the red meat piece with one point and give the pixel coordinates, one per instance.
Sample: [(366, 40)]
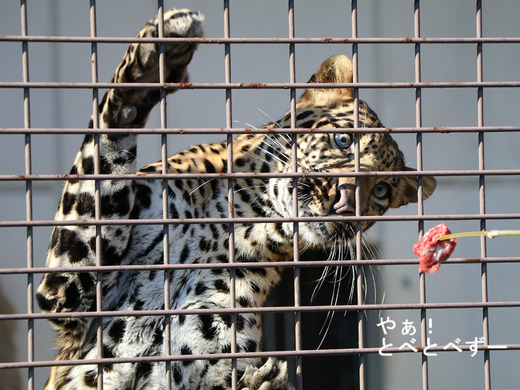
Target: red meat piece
[(433, 252)]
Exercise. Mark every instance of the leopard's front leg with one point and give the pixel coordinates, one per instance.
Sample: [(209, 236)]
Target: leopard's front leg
[(75, 246)]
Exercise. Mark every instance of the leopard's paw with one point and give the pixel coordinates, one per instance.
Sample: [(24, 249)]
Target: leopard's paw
[(130, 107), (65, 292), (181, 23), (141, 61), (273, 375)]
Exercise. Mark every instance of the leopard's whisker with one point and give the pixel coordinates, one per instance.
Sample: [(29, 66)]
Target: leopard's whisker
[(272, 155), (201, 185)]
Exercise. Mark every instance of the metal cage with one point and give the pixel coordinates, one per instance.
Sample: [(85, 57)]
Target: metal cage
[(420, 65)]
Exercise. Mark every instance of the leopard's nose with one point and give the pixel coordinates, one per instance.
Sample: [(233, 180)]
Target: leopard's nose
[(344, 205)]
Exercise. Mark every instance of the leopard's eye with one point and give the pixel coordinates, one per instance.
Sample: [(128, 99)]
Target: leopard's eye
[(381, 191), (343, 140)]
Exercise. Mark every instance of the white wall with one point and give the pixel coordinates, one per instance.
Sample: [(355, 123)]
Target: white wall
[(269, 63)]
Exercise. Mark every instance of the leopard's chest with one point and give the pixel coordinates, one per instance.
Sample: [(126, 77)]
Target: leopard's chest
[(196, 235)]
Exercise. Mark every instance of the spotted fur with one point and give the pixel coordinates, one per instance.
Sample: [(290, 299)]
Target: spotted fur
[(143, 336)]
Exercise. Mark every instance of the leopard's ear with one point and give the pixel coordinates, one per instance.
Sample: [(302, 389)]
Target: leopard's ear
[(336, 69), (406, 191)]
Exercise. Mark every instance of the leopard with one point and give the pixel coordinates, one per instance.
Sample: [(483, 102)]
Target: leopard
[(321, 186)]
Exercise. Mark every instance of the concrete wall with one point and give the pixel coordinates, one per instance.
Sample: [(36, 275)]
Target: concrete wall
[(269, 63)]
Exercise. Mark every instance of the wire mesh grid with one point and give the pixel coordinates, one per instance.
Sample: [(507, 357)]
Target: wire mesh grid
[(369, 349)]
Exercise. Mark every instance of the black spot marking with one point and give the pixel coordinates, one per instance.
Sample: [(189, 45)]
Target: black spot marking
[(158, 336), (143, 195), (67, 201), (90, 379), (54, 281), (44, 303), (185, 228), (248, 231), (221, 286), (200, 288), (138, 305), (86, 281), (85, 204), (259, 271), (173, 211), (68, 241), (73, 171), (265, 168), (178, 183), (254, 287), (244, 302), (143, 370), (117, 330), (210, 168), (177, 374), (109, 255), (257, 208), (269, 154), (279, 229), (88, 165), (148, 169), (185, 350), (203, 245), (207, 328), (72, 296), (250, 346), (307, 124), (116, 203), (184, 254), (244, 196), (226, 348), (240, 162), (222, 258), (214, 232), (302, 115), (108, 354)]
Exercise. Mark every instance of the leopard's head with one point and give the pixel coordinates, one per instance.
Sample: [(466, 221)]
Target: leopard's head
[(332, 197)]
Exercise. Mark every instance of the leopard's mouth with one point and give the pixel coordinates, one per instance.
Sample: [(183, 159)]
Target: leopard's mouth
[(331, 228)]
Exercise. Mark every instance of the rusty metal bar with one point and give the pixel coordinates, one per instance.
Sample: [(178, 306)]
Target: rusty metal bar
[(97, 194), (253, 85), (28, 196), (238, 220), (296, 231), (243, 175), (258, 40), (420, 206), (284, 264), (360, 296), (482, 197), (268, 130), (278, 354), (266, 309), (231, 194), (165, 197)]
